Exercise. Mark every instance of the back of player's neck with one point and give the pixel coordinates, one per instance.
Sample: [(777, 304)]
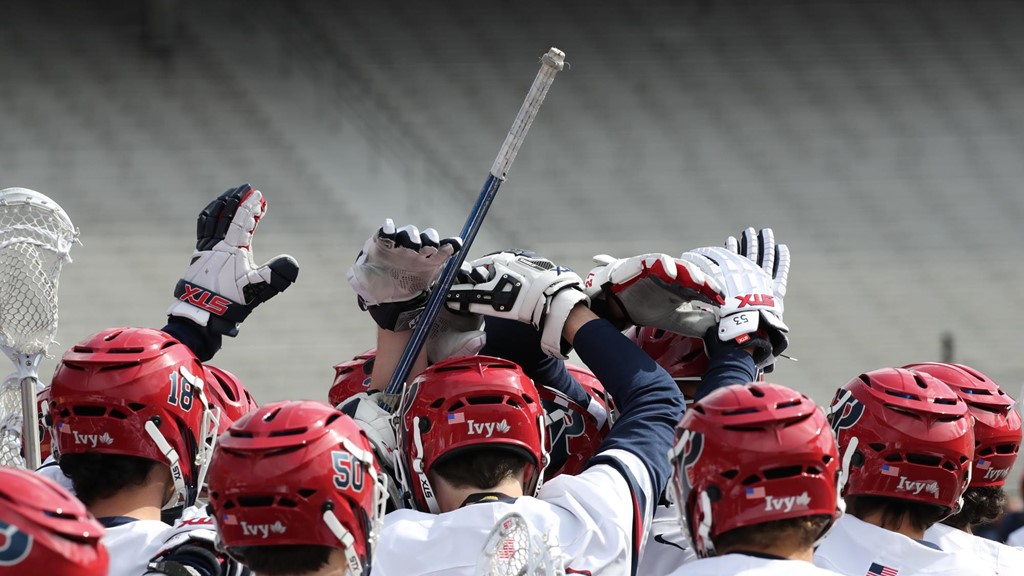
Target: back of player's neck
[(134, 502), (781, 552), (903, 528)]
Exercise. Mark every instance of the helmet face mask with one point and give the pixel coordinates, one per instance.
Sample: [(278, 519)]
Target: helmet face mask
[(298, 473), (903, 435), (135, 392), (751, 454), (467, 403)]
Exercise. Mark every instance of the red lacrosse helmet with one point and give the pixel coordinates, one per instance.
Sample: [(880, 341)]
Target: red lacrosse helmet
[(45, 530), (905, 435), (750, 454), (465, 403), (596, 391), (352, 377), (575, 433), (683, 357), (135, 392), (225, 391), (298, 473), (997, 426)]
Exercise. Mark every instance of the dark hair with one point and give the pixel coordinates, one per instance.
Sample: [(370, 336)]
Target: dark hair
[(99, 476), (803, 531), (277, 560), (482, 468), (895, 511), (981, 504)]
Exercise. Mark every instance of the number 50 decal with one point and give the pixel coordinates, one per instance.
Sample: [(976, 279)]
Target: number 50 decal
[(349, 472)]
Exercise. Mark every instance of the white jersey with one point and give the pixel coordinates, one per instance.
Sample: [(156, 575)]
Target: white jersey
[(857, 548), (133, 543), (1002, 559), (668, 545), (744, 565), (1016, 538), (595, 522)]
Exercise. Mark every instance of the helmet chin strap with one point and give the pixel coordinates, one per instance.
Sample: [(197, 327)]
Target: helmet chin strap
[(177, 476), (347, 542), (844, 472), (704, 530), (544, 456), (417, 468)]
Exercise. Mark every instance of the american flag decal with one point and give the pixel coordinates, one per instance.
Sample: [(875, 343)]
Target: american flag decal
[(879, 570), (984, 464), (456, 418)]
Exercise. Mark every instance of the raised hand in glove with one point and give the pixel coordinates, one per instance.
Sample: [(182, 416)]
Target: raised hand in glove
[(653, 290), (395, 270), (519, 287), (223, 284), (752, 314), (761, 247)]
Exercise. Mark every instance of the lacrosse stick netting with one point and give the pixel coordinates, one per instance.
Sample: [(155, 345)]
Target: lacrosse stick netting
[(36, 236), (515, 548)]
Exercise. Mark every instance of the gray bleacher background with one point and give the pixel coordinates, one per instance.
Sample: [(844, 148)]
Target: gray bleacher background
[(882, 140)]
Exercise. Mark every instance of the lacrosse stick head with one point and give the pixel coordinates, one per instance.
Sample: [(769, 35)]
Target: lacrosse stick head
[(36, 236), (515, 548)]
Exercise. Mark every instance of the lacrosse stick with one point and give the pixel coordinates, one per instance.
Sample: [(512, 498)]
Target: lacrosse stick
[(551, 64), (515, 548), (36, 236)]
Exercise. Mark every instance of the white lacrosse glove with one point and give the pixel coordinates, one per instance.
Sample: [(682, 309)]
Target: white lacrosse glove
[(394, 271), (365, 409), (653, 290), (773, 258), (524, 288), (455, 334), (752, 314), (223, 284), (191, 548)]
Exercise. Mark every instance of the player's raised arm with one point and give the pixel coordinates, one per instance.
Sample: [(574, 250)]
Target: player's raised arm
[(223, 283)]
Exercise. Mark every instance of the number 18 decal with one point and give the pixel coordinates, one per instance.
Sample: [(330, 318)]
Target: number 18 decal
[(349, 472), (181, 390)]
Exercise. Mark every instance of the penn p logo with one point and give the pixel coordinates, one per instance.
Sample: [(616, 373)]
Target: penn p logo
[(263, 530), (487, 429), (93, 440)]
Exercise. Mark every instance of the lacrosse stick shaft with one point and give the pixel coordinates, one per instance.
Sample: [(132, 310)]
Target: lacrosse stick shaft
[(551, 64), (30, 434)]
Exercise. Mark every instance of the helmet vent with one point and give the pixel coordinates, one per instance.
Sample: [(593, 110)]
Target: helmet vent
[(877, 446), (437, 404), (744, 428), (752, 479), (82, 349), (826, 459), (755, 391), (331, 418), (485, 400), (1007, 448), (288, 432), (783, 472), (91, 411), (789, 403), (946, 401), (118, 366), (168, 344), (255, 501), (118, 414), (740, 411), (730, 474), (902, 395), (136, 406), (924, 459), (306, 492), (72, 366), (113, 335), (920, 381), (949, 466), (129, 350), (239, 433), (814, 471), (285, 502), (271, 415)]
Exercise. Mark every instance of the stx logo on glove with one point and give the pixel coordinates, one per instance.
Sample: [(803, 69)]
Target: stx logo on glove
[(488, 427), (755, 300), (206, 300), (786, 503), (263, 530)]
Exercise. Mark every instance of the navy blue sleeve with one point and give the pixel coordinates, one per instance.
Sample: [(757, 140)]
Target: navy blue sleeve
[(520, 343), (727, 365), (202, 342), (648, 400)]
